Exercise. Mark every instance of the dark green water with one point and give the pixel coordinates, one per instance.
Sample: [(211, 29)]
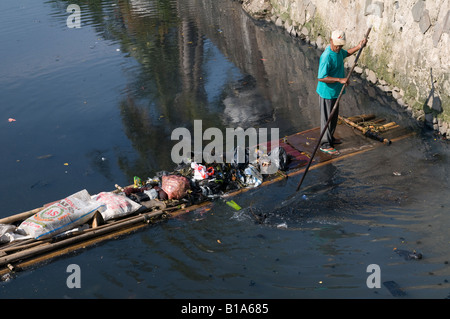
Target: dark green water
[(96, 105)]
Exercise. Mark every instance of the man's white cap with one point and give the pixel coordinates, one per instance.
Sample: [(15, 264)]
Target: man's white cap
[(338, 37)]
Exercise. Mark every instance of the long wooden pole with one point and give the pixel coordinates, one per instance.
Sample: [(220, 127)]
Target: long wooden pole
[(332, 113)]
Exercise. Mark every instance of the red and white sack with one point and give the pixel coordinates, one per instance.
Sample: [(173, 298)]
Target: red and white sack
[(63, 215), (116, 205), (175, 186)]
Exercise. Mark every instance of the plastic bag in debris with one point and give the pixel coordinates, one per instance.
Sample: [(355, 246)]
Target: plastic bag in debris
[(211, 188), (240, 177), (5, 233), (8, 234), (201, 172), (184, 169), (253, 177), (240, 157), (68, 213), (139, 197), (276, 159), (155, 181), (116, 205), (175, 186), (151, 193), (279, 157)]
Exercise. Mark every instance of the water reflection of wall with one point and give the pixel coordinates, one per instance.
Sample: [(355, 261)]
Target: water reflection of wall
[(284, 71)]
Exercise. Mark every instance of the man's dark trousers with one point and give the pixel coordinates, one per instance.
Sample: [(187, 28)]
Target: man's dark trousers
[(326, 105)]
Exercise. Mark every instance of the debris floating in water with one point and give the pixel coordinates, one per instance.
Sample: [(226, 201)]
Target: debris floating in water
[(233, 204), (46, 156), (282, 226), (408, 255), (11, 120)]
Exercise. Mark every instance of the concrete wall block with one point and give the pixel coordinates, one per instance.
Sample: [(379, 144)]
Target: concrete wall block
[(446, 23), (438, 29), (310, 11), (372, 77), (441, 27), (376, 8), (417, 10), (425, 22), (297, 12)]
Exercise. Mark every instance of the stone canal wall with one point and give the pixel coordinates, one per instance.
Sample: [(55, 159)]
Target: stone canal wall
[(408, 54)]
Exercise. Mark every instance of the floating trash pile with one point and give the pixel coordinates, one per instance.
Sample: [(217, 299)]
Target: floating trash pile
[(189, 184)]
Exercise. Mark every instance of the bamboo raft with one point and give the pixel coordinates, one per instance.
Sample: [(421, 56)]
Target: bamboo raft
[(359, 134)]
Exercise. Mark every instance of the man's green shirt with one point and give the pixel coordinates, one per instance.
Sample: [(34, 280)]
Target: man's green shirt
[(331, 64)]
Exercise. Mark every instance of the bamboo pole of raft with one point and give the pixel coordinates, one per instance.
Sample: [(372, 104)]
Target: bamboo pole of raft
[(92, 235), (20, 217), (353, 124), (332, 112), (362, 118), (388, 126), (46, 246), (367, 132)]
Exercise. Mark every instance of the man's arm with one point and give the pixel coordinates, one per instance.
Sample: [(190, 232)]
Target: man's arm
[(359, 46), (330, 79)]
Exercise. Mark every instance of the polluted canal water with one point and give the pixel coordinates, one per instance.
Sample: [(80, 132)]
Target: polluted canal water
[(94, 106)]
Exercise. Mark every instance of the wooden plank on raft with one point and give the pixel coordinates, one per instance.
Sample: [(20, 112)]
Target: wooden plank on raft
[(362, 118), (351, 142)]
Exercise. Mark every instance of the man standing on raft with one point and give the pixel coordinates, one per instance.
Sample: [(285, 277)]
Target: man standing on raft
[(331, 78)]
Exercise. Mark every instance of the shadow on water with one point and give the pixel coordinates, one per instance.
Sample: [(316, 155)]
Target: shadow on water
[(106, 101)]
